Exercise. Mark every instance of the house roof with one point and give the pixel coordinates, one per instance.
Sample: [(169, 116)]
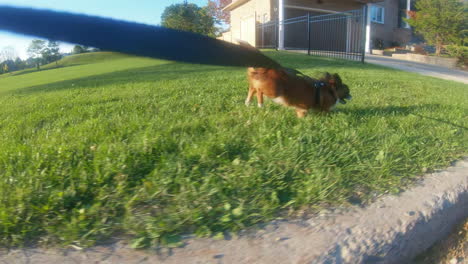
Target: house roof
[(368, 1), (236, 3)]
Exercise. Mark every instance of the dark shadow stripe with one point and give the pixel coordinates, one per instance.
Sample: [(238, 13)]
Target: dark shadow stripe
[(127, 37)]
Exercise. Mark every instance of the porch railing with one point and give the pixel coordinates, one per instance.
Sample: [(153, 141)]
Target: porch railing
[(340, 35)]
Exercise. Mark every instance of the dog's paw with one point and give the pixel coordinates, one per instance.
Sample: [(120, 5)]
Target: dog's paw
[(247, 102), (260, 105)]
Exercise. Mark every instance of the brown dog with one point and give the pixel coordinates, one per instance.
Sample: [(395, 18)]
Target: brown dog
[(291, 88)]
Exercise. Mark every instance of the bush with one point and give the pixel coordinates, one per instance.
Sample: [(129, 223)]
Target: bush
[(378, 44), (419, 49), (440, 22), (459, 52), (395, 44)]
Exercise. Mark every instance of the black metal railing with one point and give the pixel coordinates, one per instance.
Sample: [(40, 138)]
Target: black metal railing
[(340, 35), (267, 35)]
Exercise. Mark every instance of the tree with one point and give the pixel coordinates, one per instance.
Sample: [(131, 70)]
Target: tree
[(189, 17), (35, 50), (8, 53), (52, 52), (215, 8), (78, 49), (439, 21), (20, 64), (8, 66), (5, 68), (30, 62)]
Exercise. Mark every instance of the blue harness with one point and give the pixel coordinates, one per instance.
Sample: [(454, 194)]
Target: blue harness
[(318, 86)]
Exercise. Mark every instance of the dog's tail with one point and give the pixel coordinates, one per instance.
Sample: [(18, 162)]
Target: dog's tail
[(246, 45)]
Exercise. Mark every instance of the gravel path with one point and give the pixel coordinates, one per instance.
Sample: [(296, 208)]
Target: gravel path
[(393, 229)]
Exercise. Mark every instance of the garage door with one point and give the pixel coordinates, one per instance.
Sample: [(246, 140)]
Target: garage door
[(248, 30)]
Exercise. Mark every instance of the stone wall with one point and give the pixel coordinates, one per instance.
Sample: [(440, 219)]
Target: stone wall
[(444, 62)]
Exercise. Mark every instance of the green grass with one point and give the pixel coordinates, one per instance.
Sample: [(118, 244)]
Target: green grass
[(154, 149), (73, 60)]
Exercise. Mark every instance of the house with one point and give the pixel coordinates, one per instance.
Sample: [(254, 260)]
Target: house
[(384, 19)]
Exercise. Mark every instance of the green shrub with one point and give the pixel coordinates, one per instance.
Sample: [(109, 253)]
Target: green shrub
[(459, 52), (378, 44)]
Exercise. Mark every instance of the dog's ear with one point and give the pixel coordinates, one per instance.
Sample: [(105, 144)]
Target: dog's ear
[(329, 78), (337, 78), (326, 76)]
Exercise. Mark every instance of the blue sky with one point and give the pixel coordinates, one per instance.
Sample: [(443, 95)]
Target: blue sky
[(142, 11)]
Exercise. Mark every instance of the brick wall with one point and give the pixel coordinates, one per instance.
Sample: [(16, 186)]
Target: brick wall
[(389, 31)]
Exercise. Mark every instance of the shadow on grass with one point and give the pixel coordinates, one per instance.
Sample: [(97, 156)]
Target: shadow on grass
[(442, 121), (32, 70), (161, 72), (401, 111), (388, 110), (172, 71)]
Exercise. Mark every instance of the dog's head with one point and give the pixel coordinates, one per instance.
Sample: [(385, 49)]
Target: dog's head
[(341, 89)]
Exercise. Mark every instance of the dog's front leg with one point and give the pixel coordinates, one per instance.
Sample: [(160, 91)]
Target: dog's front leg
[(260, 98), (301, 112), (249, 95)]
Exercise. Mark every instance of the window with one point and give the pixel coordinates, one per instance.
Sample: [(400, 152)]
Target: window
[(377, 14)]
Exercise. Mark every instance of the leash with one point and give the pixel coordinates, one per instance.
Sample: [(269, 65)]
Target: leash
[(128, 37)]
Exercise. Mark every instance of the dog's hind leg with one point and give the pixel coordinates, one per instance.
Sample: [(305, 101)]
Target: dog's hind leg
[(249, 95), (260, 98)]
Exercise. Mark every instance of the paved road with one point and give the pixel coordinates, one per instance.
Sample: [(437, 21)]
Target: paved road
[(421, 68)]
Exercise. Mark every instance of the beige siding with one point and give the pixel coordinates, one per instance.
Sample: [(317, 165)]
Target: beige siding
[(245, 17), (226, 36)]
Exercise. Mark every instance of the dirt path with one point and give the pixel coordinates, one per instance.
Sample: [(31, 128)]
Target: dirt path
[(451, 250), (394, 229)]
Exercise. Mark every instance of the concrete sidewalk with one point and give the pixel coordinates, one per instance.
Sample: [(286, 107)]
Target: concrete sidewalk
[(421, 68)]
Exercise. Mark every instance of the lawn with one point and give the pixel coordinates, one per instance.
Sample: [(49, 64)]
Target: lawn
[(148, 149)]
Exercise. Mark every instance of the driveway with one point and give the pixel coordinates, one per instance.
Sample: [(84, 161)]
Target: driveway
[(421, 68)]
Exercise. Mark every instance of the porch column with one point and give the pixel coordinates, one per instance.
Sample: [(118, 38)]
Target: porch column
[(368, 29), (280, 24), (408, 8)]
